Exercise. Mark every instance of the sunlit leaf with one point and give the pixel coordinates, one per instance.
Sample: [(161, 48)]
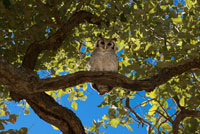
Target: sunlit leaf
[(114, 122), (54, 127), (74, 105)]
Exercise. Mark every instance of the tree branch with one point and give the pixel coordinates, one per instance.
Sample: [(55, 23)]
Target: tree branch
[(50, 111), (137, 116), (9, 74), (118, 80), (55, 41)]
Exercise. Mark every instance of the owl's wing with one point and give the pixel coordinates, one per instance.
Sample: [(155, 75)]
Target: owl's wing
[(91, 60), (117, 62)]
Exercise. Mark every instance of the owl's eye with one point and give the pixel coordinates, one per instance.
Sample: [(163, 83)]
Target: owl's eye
[(109, 44), (102, 43)]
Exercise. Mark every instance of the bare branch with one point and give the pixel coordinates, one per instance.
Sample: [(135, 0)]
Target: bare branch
[(166, 118), (137, 116)]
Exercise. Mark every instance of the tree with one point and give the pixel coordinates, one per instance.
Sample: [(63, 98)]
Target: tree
[(161, 56)]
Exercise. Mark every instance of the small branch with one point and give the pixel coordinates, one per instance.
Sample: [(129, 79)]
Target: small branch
[(137, 116), (168, 117)]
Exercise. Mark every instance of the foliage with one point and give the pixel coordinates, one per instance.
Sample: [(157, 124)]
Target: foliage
[(152, 35)]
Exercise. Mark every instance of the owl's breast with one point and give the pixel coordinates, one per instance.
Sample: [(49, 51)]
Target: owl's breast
[(104, 61)]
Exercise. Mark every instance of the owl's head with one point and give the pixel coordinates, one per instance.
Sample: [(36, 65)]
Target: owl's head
[(106, 44)]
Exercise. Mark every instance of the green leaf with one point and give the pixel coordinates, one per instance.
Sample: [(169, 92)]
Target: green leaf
[(123, 18), (182, 101), (71, 96), (23, 130), (92, 128), (7, 4), (167, 127), (177, 20), (27, 112), (114, 122), (74, 105), (152, 110)]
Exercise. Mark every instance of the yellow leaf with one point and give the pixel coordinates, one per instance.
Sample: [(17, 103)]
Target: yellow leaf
[(129, 127), (54, 127), (152, 110), (74, 105), (177, 20), (114, 122), (151, 94), (105, 117), (182, 101)]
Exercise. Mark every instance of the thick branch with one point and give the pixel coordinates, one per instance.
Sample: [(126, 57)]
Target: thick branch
[(17, 78), (118, 80), (10, 74), (50, 111), (55, 41)]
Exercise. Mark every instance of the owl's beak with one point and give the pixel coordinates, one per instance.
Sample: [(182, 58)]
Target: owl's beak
[(104, 47)]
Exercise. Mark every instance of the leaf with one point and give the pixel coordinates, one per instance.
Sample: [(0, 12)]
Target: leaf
[(105, 117), (189, 3), (123, 18), (71, 96), (144, 103), (7, 4), (27, 112), (152, 110), (92, 128), (74, 105), (84, 87), (23, 130), (177, 20), (182, 101), (166, 126), (114, 122), (54, 127), (129, 127), (152, 94)]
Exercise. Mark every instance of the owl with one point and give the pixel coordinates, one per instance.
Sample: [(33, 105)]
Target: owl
[(104, 58)]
